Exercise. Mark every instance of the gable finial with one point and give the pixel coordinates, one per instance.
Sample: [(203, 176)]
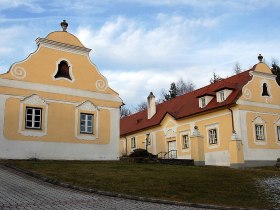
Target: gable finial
[(260, 57), (64, 25)]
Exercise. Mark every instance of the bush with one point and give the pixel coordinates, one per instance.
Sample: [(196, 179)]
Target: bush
[(142, 153)]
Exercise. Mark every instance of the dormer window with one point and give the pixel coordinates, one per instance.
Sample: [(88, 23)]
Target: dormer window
[(222, 94), (203, 102), (205, 99), (265, 90)]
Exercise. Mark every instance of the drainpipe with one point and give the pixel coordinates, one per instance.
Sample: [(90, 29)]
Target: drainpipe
[(232, 120), (125, 146), (234, 135)]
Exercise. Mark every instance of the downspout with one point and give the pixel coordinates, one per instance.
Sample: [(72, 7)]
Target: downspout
[(125, 146), (232, 120)]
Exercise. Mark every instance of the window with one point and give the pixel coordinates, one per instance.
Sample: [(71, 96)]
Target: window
[(222, 96), (212, 133), (278, 133), (63, 71), (259, 132), (185, 141), (203, 102), (265, 90), (148, 139), (133, 143), (86, 123), (33, 118)]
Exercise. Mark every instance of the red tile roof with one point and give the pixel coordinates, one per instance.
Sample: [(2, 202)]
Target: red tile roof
[(186, 105)]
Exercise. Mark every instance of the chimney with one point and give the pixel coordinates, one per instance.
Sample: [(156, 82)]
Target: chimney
[(151, 105)]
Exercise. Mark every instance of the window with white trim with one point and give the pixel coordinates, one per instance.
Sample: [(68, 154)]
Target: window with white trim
[(86, 123), (185, 141), (212, 135), (133, 143), (222, 96), (259, 129), (278, 133), (203, 102), (33, 118)]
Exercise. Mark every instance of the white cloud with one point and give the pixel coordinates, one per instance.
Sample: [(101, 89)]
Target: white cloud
[(139, 58), (32, 5), (127, 42)]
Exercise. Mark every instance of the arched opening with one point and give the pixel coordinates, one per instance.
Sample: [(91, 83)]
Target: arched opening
[(63, 71), (265, 90)]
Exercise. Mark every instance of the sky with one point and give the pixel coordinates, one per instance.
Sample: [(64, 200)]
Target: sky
[(143, 45)]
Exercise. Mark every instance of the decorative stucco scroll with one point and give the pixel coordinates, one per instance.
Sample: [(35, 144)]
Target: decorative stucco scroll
[(101, 85), (247, 93), (18, 72)]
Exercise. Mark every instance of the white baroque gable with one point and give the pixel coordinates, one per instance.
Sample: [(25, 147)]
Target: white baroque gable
[(259, 120), (170, 134), (34, 100), (87, 106)]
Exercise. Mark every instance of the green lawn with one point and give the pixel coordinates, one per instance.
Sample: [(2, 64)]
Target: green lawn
[(206, 185)]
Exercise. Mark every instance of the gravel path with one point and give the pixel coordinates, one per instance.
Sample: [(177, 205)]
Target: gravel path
[(272, 188)]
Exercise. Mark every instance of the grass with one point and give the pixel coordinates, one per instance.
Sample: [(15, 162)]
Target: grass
[(207, 185)]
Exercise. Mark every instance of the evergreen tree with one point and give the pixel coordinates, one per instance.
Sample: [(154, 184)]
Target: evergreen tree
[(276, 71), (172, 92), (215, 78)]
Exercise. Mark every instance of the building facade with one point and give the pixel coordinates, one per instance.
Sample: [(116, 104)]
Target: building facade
[(234, 122), (55, 104)]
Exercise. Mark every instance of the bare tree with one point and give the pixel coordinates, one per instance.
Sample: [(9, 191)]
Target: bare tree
[(237, 68), (124, 111), (141, 107), (184, 87)]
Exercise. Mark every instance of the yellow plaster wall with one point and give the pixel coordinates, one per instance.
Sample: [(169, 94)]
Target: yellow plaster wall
[(60, 124), (55, 96), (270, 131), (252, 91), (41, 66)]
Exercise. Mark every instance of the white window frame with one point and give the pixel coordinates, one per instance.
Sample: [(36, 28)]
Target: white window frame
[(185, 141), (203, 102), (88, 128), (214, 126), (132, 143), (259, 132), (33, 115), (278, 133), (213, 136), (222, 95), (258, 121)]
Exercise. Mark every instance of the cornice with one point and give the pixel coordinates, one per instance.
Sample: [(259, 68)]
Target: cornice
[(62, 46)]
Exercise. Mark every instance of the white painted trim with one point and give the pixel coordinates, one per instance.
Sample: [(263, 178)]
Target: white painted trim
[(62, 46), (209, 127), (277, 123), (60, 90), (259, 121), (86, 106), (257, 104), (182, 133), (70, 71), (262, 75), (218, 158), (35, 101)]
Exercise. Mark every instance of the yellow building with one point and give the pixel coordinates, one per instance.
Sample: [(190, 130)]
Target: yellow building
[(233, 122), (56, 105)]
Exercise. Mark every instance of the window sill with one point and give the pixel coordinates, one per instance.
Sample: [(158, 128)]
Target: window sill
[(33, 132)]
